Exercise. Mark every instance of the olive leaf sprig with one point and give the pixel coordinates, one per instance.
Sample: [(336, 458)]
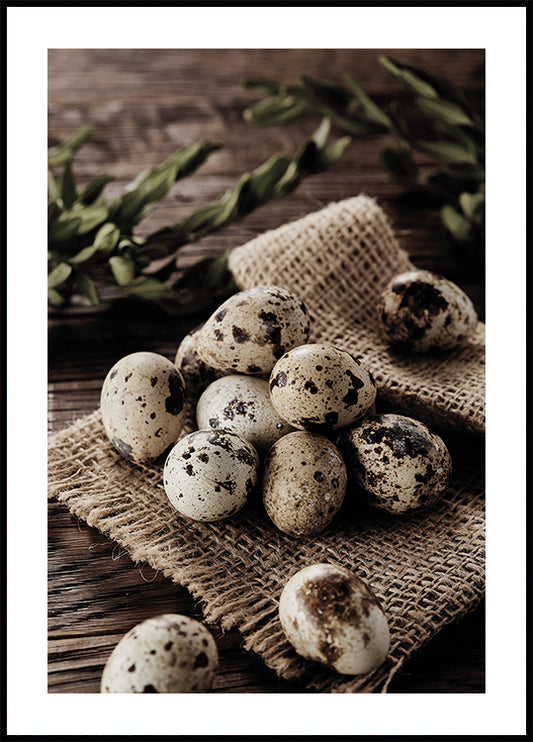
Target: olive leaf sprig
[(92, 241), (436, 120)]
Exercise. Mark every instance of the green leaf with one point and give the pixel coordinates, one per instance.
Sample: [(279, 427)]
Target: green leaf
[(400, 166), (94, 189), (426, 83), (138, 203), (334, 152), (473, 205), (205, 284), (447, 152), (54, 193), (55, 298), (84, 255), (123, 269), (260, 187), (226, 210), (150, 288), (409, 76), (79, 221), (63, 229), (372, 111), (445, 112), (68, 186), (87, 287), (59, 275), (458, 226), (263, 85), (150, 251), (445, 142), (62, 153), (313, 157), (54, 210), (326, 93), (106, 238), (335, 102), (150, 187), (465, 171), (201, 219), (321, 134), (274, 111)]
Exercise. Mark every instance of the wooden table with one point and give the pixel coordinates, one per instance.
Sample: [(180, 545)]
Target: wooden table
[(145, 104)]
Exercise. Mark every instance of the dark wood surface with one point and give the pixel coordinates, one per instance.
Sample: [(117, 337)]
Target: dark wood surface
[(145, 104)]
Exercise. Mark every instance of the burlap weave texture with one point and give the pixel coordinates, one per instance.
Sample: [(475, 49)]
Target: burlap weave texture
[(426, 568)]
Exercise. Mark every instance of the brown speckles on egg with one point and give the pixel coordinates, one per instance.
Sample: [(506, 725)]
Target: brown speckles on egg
[(242, 404), (252, 329), (319, 387), (175, 400), (421, 312), (201, 660), (239, 335), (144, 415), (396, 463), (210, 480), (196, 373), (165, 654), (331, 616), (297, 488)]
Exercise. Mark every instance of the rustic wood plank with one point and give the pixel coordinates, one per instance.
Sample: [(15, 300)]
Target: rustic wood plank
[(145, 104)]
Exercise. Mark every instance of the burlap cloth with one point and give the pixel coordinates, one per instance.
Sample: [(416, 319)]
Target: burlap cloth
[(426, 568)]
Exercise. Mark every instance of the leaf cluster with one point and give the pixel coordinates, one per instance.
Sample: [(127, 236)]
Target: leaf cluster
[(91, 240), (432, 118)]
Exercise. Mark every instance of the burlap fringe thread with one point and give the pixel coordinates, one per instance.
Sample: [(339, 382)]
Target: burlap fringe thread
[(427, 569)]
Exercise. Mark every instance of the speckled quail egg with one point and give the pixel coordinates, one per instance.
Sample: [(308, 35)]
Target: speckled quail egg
[(331, 616), (196, 374), (319, 387), (398, 464), (165, 654), (210, 474), (142, 405), (422, 312), (252, 329), (304, 483), (242, 404)]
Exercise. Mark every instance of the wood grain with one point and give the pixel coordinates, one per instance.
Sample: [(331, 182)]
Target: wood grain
[(144, 104)]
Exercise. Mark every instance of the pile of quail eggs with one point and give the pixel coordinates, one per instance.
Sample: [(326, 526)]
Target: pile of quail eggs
[(295, 421)]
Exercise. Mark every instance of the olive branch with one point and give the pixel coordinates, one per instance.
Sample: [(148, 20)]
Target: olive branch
[(436, 120), (92, 241)]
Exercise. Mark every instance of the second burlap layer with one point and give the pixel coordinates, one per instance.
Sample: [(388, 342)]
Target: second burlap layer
[(337, 261)]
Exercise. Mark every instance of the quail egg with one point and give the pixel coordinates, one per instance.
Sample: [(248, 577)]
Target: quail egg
[(196, 374), (304, 483), (331, 616), (422, 312), (210, 474), (242, 404), (165, 654), (319, 387), (142, 405), (398, 464), (252, 329)]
